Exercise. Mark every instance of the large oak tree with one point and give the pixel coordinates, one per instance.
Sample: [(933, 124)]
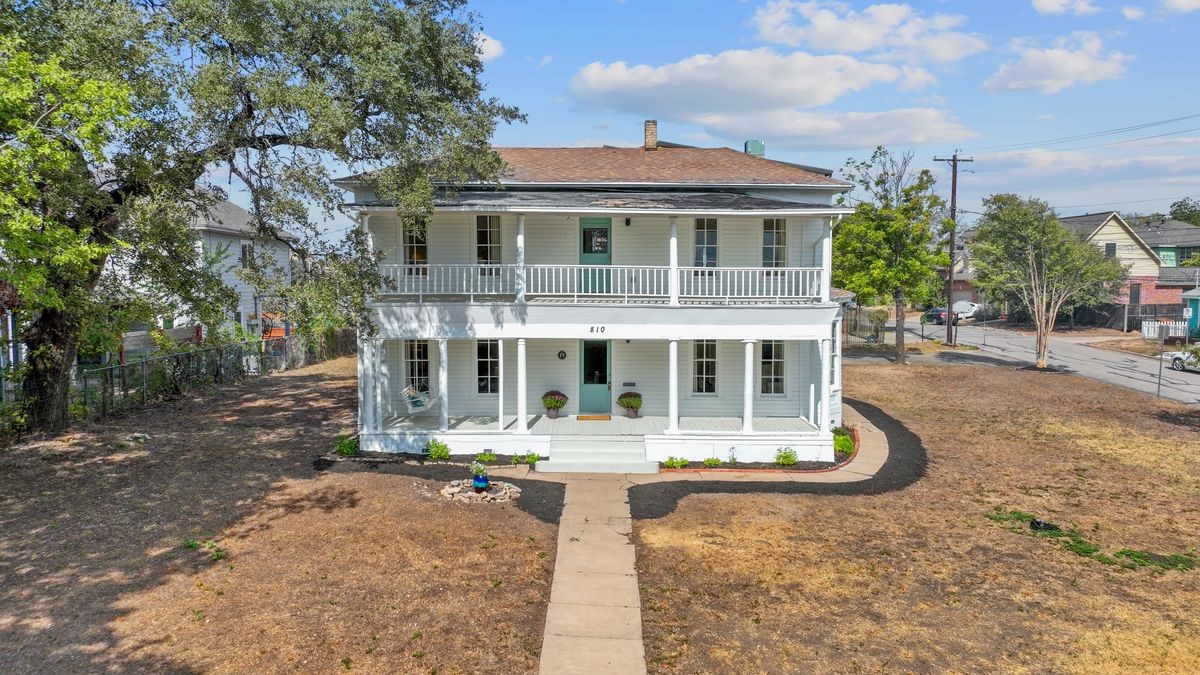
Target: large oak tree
[(173, 99)]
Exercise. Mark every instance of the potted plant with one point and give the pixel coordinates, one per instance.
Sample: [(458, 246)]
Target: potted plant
[(479, 476), (631, 401), (554, 401)]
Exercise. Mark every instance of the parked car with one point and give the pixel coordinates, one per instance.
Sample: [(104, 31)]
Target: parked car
[(965, 309), (938, 315), (1182, 361)]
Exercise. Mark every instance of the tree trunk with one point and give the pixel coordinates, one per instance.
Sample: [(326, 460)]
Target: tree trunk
[(901, 353), (51, 343)]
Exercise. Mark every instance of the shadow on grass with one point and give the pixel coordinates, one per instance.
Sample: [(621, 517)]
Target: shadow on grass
[(906, 464), (90, 518), (1190, 419)]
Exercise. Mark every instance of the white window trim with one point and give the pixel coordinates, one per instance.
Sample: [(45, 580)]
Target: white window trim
[(408, 362), (835, 357), (499, 241), (782, 362), (783, 227), (716, 361), (717, 230), (499, 384)]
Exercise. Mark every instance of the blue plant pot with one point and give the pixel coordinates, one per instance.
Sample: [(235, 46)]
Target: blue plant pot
[(480, 482)]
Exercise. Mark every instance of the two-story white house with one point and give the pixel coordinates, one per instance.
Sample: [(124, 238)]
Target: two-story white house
[(697, 277)]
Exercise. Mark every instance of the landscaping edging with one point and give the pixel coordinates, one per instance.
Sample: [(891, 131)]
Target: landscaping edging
[(775, 469)]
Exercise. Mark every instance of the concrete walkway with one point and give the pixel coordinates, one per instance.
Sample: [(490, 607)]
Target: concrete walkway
[(594, 622)]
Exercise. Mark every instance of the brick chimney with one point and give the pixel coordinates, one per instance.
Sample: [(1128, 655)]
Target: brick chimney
[(651, 135)]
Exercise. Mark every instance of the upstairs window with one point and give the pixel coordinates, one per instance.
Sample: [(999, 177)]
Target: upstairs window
[(247, 254), (487, 243), (1110, 249), (705, 246), (774, 243), (416, 252), (487, 355), (704, 367), (771, 368), (416, 364)]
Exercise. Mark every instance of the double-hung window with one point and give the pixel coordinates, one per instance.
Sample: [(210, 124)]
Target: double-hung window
[(247, 254), (416, 252), (487, 244), (771, 368), (704, 367), (835, 360), (416, 364), (774, 243), (705, 243), (487, 357)]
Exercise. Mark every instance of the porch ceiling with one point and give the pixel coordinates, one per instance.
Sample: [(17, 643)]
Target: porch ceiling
[(583, 201)]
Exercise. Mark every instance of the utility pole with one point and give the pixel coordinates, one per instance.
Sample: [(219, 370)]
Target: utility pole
[(953, 160)]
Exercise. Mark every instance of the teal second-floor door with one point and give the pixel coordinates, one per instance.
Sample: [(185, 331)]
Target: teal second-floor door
[(596, 250), (595, 388)]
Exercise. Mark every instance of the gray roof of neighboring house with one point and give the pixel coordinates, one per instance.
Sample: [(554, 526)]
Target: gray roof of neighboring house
[(1087, 223), (614, 201), (229, 218), (1179, 276), (1167, 232)]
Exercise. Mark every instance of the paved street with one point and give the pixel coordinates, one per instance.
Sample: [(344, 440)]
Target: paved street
[(1073, 355)]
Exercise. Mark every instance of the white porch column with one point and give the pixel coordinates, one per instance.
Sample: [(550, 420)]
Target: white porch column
[(368, 385), (443, 385), (672, 386), (827, 262), (673, 257), (500, 385), (520, 258), (824, 411), (748, 393), (522, 397)]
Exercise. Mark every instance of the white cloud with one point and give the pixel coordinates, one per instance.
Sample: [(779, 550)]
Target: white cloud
[(891, 31), (1046, 117), (1181, 5), (1078, 7), (1073, 60), (1133, 13), (735, 80), (489, 47), (828, 130)]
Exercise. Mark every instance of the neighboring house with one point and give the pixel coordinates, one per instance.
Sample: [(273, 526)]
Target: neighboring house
[(11, 347), (1174, 242), (698, 277), (229, 227)]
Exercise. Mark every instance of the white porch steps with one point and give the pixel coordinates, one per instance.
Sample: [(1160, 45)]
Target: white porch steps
[(597, 454)]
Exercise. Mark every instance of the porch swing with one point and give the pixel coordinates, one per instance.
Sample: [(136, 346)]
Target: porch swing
[(417, 401)]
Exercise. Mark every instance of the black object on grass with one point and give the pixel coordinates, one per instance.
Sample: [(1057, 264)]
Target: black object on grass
[(1039, 525)]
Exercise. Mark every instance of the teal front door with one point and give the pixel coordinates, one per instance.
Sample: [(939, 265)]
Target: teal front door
[(595, 250), (595, 390)]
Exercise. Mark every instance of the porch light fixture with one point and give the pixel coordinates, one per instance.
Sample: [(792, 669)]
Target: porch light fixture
[(627, 221)]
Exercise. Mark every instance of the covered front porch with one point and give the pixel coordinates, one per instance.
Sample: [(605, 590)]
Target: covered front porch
[(617, 425)]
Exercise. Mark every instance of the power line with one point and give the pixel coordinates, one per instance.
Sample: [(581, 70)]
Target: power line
[(1095, 145), (1094, 134), (954, 161)]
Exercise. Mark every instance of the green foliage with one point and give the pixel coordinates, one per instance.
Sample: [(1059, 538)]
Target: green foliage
[(1023, 255), (675, 462), (554, 400), (843, 445), (886, 249), (346, 446), (1177, 561), (479, 469), (1193, 261), (529, 458), (437, 450), (630, 399), (486, 456), (712, 462), (1187, 210), (215, 552), (785, 457), (121, 120)]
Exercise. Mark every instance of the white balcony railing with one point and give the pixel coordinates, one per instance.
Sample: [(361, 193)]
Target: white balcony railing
[(750, 283), (629, 283)]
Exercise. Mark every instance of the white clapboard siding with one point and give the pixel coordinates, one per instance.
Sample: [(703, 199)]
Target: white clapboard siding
[(727, 402), (643, 363), (645, 241)]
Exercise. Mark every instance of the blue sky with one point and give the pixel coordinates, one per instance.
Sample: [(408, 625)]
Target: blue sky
[(823, 81)]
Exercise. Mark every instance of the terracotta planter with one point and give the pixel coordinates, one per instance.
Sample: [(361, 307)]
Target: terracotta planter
[(631, 413), (552, 413)]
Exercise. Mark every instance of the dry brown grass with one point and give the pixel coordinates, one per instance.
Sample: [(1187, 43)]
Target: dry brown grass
[(920, 579), (1130, 345), (319, 567)]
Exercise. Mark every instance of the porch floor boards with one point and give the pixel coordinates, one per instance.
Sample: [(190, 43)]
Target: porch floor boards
[(617, 426)]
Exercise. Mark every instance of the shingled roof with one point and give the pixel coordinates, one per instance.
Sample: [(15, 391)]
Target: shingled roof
[(1167, 232), (1087, 223)]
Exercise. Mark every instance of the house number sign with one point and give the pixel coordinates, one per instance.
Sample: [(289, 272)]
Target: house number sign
[(597, 329)]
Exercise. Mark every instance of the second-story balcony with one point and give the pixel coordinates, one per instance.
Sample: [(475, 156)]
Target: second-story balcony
[(632, 284)]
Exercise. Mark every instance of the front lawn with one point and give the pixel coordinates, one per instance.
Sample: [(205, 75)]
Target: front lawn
[(946, 574), (217, 543)]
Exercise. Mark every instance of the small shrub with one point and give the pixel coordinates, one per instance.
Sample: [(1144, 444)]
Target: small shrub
[(529, 458), (437, 450), (712, 462), (732, 457), (191, 544), (785, 457), (675, 463), (843, 445), (630, 400), (346, 446), (478, 469), (486, 456), (554, 400)]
